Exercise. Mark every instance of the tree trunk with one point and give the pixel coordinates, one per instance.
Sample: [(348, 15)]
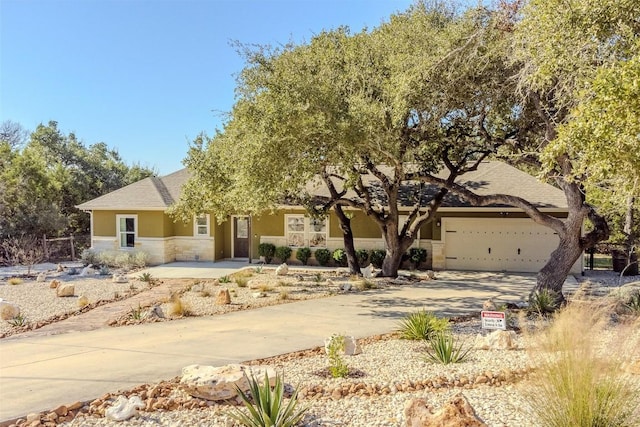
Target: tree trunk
[(396, 247), (628, 230), (347, 235)]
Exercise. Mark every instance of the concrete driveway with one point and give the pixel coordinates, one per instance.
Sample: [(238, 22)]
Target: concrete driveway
[(42, 372)]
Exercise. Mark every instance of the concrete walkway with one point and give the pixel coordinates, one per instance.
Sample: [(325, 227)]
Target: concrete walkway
[(42, 372)]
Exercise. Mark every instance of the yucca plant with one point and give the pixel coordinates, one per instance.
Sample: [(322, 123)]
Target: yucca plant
[(224, 279), (543, 302), (266, 406), (633, 304), (18, 321), (444, 349), (421, 325)]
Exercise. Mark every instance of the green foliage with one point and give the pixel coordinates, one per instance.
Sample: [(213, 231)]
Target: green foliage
[(340, 257), (266, 407), (224, 279), (377, 257), (258, 269), (147, 278), (323, 256), (303, 255), (543, 302), (18, 321), (267, 250), (417, 256), (89, 257), (444, 349), (363, 256), (422, 325), (317, 277), (136, 313), (283, 253), (241, 281), (335, 349)]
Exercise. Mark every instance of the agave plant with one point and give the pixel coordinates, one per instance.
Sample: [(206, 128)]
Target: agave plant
[(421, 325), (268, 408), (444, 349)]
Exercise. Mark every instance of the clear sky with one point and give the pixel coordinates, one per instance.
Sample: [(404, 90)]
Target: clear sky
[(146, 76)]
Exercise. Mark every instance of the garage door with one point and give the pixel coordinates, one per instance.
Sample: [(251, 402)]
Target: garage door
[(496, 244)]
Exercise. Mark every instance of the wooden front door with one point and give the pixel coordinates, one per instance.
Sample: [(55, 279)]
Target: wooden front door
[(241, 237)]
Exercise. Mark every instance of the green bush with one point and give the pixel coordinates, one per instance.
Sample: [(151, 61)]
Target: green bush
[(443, 349), (543, 302), (303, 255), (323, 256), (363, 256), (633, 303), (417, 256), (89, 256), (340, 257), (267, 250), (266, 407), (283, 253), (376, 257), (335, 348), (422, 325)]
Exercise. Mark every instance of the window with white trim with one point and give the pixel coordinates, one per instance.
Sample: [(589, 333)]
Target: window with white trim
[(303, 231), (127, 230), (201, 225)]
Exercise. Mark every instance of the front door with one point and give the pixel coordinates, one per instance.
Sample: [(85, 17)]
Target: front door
[(241, 237)]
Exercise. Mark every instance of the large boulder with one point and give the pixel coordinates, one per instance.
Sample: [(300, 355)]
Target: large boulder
[(65, 290), (457, 412), (224, 297), (219, 382), (8, 310), (124, 408), (497, 340)]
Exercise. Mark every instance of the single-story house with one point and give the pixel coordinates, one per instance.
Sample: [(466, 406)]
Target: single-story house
[(462, 237)]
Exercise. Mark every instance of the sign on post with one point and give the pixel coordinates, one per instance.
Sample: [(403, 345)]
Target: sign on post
[(493, 320)]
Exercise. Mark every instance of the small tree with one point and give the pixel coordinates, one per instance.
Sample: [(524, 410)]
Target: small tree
[(24, 250), (303, 255), (267, 250)]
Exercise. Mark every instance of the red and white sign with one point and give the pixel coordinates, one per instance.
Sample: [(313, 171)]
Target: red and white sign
[(493, 320)]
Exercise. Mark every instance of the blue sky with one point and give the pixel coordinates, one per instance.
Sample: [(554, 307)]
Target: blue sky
[(146, 76)]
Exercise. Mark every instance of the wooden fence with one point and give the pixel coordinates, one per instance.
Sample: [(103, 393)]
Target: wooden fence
[(59, 248)]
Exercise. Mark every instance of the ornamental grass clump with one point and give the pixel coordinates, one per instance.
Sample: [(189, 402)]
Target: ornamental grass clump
[(582, 377), (422, 325), (266, 407), (444, 349)]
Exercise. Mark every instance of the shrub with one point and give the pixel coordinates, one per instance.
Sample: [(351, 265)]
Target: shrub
[(422, 325), (140, 259), (633, 304), (340, 257), (241, 282), (543, 302), (579, 381), (283, 295), (376, 257), (417, 256), (107, 258), (136, 313), (146, 277), (363, 256), (335, 348), (267, 250), (443, 349), (14, 281), (224, 279), (266, 407), (283, 253), (323, 256), (179, 307), (89, 256), (18, 321), (303, 255)]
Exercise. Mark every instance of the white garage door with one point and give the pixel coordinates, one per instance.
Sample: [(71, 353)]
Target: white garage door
[(496, 244)]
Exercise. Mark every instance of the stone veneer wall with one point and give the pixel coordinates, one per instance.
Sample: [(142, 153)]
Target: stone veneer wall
[(188, 248), (163, 250)]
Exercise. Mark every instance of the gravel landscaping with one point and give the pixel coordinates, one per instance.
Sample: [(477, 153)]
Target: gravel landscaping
[(387, 374)]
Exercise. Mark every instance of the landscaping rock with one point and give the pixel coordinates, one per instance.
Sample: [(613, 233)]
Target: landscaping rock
[(124, 408), (282, 269), (59, 268), (351, 346), (457, 412), (223, 297), (219, 383), (65, 290), (41, 277), (329, 282), (8, 310), (431, 274), (83, 301), (346, 287), (496, 340), (155, 313), (259, 294), (54, 284), (368, 271), (489, 305), (119, 278)]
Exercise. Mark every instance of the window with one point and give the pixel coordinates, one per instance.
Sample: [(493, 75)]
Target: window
[(302, 231), (127, 230), (201, 225)]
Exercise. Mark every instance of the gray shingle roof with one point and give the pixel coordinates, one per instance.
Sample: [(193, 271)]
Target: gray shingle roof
[(492, 177)]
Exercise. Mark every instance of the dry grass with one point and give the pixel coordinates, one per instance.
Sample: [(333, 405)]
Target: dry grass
[(242, 274), (241, 281), (14, 281), (580, 381), (179, 308), (284, 295), (265, 288)]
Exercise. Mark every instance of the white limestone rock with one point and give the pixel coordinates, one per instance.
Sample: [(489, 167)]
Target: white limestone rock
[(368, 272), (329, 282), (41, 277), (83, 301), (119, 278), (345, 286), (496, 340), (65, 290), (259, 294), (282, 269), (219, 382), (124, 408), (8, 310), (350, 348)]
